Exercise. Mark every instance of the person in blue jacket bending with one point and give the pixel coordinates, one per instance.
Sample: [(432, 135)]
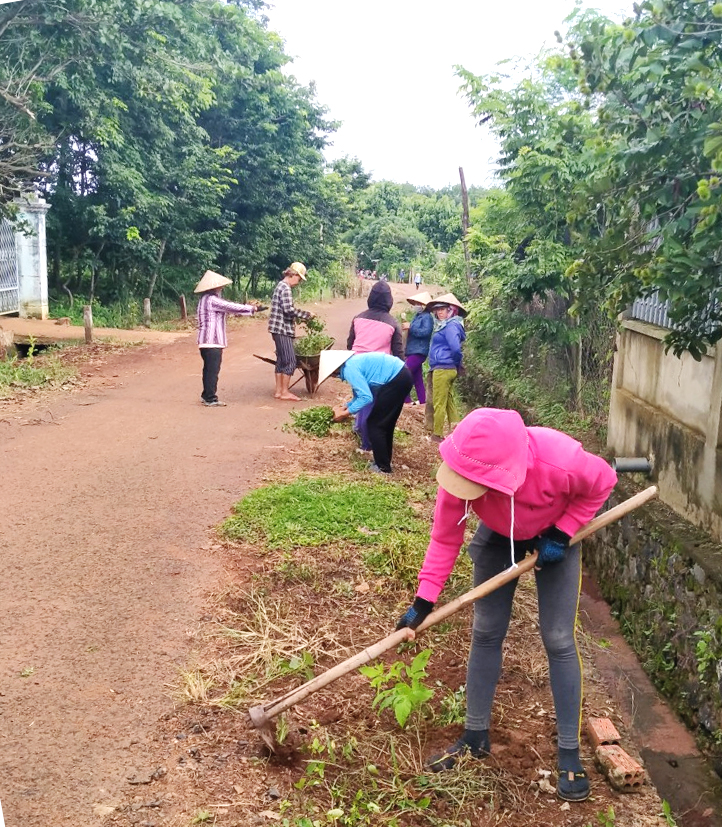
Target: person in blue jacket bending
[(377, 378)]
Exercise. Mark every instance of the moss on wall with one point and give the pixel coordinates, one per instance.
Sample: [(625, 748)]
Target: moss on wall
[(663, 580)]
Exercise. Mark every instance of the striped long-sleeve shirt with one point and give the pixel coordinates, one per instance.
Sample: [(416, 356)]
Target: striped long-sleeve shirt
[(283, 315), (211, 314)]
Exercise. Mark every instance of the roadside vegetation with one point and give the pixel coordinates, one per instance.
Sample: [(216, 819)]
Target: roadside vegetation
[(34, 372)]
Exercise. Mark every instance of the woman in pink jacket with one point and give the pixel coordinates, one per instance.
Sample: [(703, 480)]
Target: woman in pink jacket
[(531, 488)]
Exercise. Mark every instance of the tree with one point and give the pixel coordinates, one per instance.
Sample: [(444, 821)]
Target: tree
[(654, 199)]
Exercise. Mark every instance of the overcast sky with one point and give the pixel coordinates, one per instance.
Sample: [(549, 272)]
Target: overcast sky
[(385, 68)]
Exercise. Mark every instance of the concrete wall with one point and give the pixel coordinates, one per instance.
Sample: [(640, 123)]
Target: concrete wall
[(668, 408)]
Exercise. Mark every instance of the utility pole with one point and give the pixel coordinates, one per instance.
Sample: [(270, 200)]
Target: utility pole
[(465, 224)]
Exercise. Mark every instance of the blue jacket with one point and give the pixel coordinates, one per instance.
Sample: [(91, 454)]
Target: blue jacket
[(365, 372), (445, 349), (418, 339)]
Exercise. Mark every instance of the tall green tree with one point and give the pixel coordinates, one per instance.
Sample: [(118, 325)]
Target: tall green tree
[(653, 202)]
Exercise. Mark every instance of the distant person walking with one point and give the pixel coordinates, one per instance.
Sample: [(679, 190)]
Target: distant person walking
[(211, 315), (282, 327), (374, 331), (444, 363), (418, 341), (417, 280)]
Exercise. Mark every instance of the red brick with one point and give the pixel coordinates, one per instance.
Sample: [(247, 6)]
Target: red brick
[(622, 771), (602, 731)]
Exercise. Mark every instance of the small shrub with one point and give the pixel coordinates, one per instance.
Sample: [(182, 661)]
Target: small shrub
[(403, 696)]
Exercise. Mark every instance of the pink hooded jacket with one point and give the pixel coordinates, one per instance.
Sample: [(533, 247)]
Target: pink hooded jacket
[(551, 478)]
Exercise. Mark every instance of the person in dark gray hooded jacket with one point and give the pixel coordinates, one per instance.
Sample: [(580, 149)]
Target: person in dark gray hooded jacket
[(375, 331)]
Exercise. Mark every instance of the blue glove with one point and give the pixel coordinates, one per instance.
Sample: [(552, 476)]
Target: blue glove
[(416, 614), (552, 545)]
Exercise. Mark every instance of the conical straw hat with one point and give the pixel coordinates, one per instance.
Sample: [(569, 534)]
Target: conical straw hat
[(330, 360), (210, 281), (447, 298), (422, 298)]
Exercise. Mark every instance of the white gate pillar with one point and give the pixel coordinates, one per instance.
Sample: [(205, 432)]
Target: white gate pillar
[(32, 258)]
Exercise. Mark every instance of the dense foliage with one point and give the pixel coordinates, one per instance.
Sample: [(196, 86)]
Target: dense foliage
[(610, 154), (168, 136)]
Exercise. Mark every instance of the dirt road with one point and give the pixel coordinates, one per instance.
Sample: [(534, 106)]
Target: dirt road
[(108, 495)]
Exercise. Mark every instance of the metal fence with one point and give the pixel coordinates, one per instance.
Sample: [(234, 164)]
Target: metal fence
[(655, 311), (9, 282)]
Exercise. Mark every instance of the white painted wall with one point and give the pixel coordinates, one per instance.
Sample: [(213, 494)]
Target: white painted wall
[(32, 258), (670, 409)]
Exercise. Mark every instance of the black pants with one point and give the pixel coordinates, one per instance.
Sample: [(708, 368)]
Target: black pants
[(212, 357), (388, 404)]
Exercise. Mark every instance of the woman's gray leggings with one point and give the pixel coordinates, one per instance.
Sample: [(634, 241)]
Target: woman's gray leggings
[(558, 586)]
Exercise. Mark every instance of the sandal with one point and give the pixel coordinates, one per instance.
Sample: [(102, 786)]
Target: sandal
[(447, 760), (572, 786)]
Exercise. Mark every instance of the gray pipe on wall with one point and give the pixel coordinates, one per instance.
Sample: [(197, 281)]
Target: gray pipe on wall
[(638, 465)]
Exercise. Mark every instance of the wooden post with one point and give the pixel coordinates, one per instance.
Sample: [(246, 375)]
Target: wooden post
[(183, 308), (146, 312), (465, 223), (88, 323)]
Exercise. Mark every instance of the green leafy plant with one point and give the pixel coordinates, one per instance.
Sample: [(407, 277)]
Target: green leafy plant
[(404, 696), (34, 371), (667, 814), (302, 664), (705, 651), (315, 340), (453, 707), (313, 421), (607, 819)]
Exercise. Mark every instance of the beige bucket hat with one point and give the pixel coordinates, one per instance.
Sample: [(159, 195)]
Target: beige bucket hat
[(422, 298), (447, 298), (457, 485), (297, 268), (331, 360), (210, 281)]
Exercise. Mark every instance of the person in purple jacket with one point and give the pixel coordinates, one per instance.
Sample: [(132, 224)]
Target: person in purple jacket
[(418, 341), (374, 331), (211, 314), (532, 488)]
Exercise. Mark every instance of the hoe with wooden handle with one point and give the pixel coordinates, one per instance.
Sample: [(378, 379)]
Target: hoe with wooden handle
[(261, 716)]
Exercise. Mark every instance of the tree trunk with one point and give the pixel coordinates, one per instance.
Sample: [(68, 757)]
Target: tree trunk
[(93, 271), (465, 224), (156, 269), (578, 378)]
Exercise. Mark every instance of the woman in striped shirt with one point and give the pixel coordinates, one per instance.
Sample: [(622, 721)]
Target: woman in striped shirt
[(211, 313)]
